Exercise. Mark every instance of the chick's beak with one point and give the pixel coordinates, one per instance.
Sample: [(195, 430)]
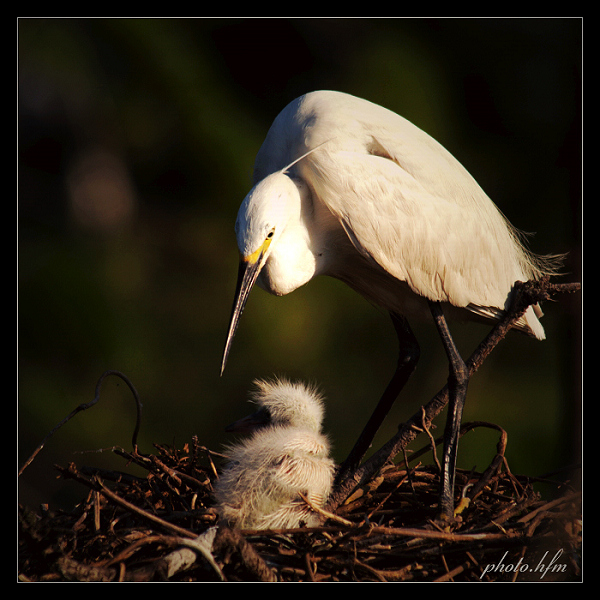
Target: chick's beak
[(250, 423), (248, 272)]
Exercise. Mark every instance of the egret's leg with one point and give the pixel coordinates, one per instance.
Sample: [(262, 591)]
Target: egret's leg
[(407, 361), (457, 388)]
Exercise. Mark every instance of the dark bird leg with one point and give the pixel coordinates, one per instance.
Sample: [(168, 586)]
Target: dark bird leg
[(408, 357), (458, 381)]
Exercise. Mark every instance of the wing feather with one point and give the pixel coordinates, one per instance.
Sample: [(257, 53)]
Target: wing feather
[(404, 201)]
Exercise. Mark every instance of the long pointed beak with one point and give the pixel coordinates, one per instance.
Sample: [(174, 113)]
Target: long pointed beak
[(248, 272)]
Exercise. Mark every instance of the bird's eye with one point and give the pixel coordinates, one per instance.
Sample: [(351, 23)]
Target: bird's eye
[(270, 234)]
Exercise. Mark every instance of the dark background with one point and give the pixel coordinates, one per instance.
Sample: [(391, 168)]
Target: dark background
[(136, 140)]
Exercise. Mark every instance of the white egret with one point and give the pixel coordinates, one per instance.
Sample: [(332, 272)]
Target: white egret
[(285, 458), (348, 189)]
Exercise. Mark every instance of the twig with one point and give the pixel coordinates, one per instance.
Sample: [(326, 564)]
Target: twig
[(446, 536), (549, 505), (496, 461), (432, 441), (324, 513), (228, 539), (96, 484), (87, 405)]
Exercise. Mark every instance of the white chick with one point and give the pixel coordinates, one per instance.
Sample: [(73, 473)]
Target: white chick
[(285, 456)]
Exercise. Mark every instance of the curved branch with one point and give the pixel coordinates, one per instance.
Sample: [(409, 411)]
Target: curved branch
[(87, 405)]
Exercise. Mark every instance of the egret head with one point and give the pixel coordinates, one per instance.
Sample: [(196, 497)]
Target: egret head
[(263, 215), (261, 221), (274, 206)]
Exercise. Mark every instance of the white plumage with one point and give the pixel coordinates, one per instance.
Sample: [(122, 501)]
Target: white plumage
[(285, 456), (348, 189), (382, 206)]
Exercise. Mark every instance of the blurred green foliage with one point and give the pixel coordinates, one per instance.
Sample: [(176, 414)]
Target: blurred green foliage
[(136, 144)]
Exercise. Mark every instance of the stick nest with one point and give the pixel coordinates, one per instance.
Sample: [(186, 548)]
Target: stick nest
[(382, 523), (129, 528)]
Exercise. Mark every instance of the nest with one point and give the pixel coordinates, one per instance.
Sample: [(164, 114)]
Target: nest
[(136, 528), (155, 528)]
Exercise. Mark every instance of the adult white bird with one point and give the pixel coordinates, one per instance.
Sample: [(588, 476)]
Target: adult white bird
[(349, 189), (285, 459)]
